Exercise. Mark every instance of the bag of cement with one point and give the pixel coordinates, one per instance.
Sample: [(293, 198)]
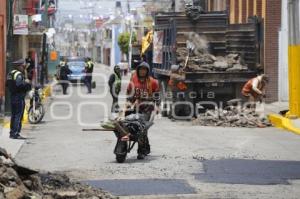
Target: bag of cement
[(108, 125)]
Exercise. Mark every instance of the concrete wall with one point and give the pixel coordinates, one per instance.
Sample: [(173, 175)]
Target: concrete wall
[(115, 52), (283, 54), (2, 47), (20, 47)]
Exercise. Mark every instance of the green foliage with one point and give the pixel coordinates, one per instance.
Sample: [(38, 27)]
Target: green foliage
[(123, 41)]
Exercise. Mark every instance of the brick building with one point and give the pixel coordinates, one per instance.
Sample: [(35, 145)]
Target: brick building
[(270, 14)]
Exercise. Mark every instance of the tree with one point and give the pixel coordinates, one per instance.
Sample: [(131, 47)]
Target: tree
[(123, 42)]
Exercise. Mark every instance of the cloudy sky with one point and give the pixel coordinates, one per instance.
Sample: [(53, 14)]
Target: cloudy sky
[(84, 10)]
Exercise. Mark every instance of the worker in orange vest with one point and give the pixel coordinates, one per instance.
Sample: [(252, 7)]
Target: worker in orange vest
[(142, 94), (254, 89)]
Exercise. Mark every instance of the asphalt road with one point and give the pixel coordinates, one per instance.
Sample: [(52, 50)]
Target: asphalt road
[(186, 161)]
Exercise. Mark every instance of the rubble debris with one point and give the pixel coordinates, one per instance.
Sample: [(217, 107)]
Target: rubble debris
[(193, 11), (18, 182), (200, 60), (232, 116)]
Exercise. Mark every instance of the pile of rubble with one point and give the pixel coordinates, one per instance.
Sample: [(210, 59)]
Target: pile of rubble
[(17, 182), (232, 116), (208, 63), (201, 60)]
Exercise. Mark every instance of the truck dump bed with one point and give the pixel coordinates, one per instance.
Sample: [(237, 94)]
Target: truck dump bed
[(222, 39)]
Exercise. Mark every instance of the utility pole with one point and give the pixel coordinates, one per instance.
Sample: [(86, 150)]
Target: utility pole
[(128, 7), (9, 36), (44, 73), (294, 61)]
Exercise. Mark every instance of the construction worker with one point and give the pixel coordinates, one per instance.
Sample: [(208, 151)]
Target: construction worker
[(141, 93), (18, 86), (29, 66), (89, 68), (115, 87), (64, 71), (254, 89), (61, 63)]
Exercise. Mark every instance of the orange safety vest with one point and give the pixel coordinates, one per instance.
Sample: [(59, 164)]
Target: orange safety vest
[(247, 89), (142, 89)]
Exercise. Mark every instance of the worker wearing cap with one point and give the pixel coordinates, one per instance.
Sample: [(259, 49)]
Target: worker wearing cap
[(143, 93), (18, 86), (254, 89), (115, 87)]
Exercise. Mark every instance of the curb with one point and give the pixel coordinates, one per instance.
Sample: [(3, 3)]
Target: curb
[(46, 94), (283, 123)]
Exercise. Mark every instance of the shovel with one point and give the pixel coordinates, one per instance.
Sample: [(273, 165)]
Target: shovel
[(190, 47)]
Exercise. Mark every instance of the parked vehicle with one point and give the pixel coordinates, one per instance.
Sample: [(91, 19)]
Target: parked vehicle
[(36, 109), (77, 67)]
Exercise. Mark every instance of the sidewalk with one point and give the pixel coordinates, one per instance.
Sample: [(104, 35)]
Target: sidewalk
[(272, 110), (12, 146), (276, 107)]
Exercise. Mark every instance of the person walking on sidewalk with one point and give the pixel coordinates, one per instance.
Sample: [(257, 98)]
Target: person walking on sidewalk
[(115, 88), (18, 86), (89, 68)]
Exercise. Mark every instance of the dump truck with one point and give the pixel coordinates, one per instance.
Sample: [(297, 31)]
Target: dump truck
[(200, 83)]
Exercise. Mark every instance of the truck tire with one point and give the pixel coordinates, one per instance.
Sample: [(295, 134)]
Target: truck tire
[(184, 110)]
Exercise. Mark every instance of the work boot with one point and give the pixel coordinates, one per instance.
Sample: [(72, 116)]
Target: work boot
[(17, 137), (147, 149), (141, 152), (141, 156)]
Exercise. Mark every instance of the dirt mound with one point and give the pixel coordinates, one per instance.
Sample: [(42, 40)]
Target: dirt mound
[(18, 182)]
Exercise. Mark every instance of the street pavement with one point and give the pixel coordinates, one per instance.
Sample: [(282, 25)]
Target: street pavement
[(186, 161)]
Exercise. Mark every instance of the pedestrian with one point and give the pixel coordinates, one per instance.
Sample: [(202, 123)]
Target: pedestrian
[(142, 94), (29, 66), (39, 71), (115, 88), (254, 90), (64, 71), (89, 68), (18, 86)]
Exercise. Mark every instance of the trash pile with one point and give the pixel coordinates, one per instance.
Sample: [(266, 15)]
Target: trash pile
[(18, 182), (200, 60), (232, 116), (193, 11)]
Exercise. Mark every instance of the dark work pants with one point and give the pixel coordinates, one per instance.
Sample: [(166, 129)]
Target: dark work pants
[(143, 142), (88, 82), (115, 104), (17, 111), (64, 87)]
